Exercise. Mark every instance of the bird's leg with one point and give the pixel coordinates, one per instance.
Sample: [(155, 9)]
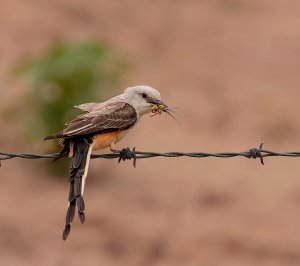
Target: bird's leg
[(112, 147)]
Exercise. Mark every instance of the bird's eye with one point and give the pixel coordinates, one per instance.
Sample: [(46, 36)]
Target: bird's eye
[(144, 95)]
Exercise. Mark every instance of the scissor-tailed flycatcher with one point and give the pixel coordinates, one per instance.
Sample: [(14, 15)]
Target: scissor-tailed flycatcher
[(101, 126)]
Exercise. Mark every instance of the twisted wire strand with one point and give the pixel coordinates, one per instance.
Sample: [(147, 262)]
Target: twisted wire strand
[(127, 154)]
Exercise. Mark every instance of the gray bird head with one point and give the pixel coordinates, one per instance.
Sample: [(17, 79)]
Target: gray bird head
[(143, 98)]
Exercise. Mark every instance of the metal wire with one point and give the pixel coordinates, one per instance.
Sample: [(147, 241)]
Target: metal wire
[(127, 154)]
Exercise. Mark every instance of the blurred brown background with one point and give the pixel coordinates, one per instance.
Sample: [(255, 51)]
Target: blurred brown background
[(232, 66)]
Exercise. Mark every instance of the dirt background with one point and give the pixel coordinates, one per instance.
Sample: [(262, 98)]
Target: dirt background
[(232, 66)]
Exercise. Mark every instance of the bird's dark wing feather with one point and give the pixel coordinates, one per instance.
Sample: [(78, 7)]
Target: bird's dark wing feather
[(105, 117), (120, 116)]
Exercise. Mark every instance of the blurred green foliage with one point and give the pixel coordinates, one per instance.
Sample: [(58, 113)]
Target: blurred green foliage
[(66, 75)]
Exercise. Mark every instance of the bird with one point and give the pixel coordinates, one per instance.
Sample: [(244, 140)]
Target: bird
[(100, 126)]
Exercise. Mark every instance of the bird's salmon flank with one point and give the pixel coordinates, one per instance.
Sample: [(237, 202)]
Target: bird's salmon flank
[(101, 126)]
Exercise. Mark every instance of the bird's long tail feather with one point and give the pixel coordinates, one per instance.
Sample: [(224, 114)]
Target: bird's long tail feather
[(78, 171)]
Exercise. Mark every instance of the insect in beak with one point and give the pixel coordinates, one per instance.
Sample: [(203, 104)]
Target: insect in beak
[(159, 107)]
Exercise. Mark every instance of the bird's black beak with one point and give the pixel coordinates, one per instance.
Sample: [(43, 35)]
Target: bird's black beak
[(159, 103)]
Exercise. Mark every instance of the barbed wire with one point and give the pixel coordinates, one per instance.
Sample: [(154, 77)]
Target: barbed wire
[(127, 154)]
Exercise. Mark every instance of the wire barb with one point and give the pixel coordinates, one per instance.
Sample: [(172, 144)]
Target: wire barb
[(127, 154), (256, 153)]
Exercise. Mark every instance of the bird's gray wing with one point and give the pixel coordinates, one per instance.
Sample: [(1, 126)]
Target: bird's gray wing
[(89, 107), (110, 117)]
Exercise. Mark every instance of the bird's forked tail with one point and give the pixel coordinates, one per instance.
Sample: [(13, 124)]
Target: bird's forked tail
[(78, 171)]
